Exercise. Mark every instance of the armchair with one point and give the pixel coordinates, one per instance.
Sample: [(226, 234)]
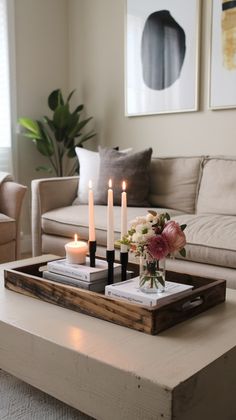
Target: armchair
[(11, 198)]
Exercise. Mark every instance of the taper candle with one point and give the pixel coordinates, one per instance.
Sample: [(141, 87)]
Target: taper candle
[(123, 247), (91, 213), (110, 218)]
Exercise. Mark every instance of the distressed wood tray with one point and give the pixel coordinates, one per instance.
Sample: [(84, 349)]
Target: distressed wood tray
[(169, 311)]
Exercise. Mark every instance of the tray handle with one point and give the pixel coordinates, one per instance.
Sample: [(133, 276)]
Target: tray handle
[(192, 303)]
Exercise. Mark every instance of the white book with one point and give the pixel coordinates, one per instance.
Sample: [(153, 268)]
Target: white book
[(129, 290), (82, 271), (98, 286)]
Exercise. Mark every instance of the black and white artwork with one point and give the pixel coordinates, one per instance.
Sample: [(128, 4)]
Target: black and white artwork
[(161, 56)]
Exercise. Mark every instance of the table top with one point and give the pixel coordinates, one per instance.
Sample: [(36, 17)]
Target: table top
[(168, 358)]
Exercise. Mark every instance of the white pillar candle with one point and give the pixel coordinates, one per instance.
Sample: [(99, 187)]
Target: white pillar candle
[(76, 251), (91, 213), (110, 218), (123, 247)]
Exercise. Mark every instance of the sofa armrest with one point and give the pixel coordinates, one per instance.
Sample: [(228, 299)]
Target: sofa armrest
[(11, 199), (49, 194)]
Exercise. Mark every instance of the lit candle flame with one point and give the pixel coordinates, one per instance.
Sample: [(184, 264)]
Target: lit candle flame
[(110, 183), (123, 185), (76, 237), (90, 184)]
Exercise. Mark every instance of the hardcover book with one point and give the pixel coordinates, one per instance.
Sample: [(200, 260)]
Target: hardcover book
[(129, 290), (97, 286), (82, 271)]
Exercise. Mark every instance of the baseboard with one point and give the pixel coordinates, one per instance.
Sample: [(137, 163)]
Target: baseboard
[(26, 243)]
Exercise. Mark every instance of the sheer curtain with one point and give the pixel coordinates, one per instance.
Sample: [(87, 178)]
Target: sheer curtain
[(6, 9)]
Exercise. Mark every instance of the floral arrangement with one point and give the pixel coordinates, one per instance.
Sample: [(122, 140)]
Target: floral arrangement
[(155, 236)]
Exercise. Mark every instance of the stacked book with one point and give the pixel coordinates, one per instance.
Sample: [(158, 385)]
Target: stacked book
[(129, 291), (83, 276)]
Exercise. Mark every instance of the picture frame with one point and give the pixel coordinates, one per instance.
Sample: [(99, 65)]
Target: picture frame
[(222, 74), (161, 56)]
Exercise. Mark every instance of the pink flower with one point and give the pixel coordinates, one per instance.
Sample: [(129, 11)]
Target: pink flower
[(157, 246), (174, 236)]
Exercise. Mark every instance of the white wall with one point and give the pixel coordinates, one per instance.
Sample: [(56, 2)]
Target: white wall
[(41, 31), (96, 41), (80, 44)]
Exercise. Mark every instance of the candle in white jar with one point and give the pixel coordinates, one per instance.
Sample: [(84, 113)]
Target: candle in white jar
[(110, 218), (76, 251), (123, 247), (91, 213)]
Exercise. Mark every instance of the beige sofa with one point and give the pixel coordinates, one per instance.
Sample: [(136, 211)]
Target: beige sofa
[(11, 199), (198, 191)]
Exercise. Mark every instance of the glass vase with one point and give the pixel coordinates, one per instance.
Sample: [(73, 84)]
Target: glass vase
[(151, 275)]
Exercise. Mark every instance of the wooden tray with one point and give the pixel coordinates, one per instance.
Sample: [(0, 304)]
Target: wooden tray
[(169, 311)]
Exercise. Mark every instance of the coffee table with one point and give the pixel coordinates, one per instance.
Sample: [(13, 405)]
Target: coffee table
[(108, 371)]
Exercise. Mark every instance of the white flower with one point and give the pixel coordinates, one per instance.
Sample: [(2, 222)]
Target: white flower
[(137, 221), (144, 227), (137, 238), (149, 217)]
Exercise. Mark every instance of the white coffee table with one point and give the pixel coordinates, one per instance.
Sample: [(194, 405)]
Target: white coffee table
[(108, 371)]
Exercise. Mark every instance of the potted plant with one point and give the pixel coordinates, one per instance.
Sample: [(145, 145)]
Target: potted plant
[(57, 137)]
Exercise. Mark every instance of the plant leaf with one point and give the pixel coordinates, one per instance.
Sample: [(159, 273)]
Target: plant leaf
[(86, 137), (183, 252), (44, 168), (82, 124), (61, 116), (55, 99), (30, 125), (79, 108), (70, 95)]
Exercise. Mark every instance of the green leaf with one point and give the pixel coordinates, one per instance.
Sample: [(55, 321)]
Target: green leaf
[(82, 124), (30, 125), (44, 168), (183, 252), (167, 216), (61, 116), (70, 95), (72, 125), (78, 109), (86, 137), (33, 136), (55, 99), (182, 227)]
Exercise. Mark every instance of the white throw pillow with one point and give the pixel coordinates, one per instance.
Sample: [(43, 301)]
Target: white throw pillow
[(89, 162), (89, 170)]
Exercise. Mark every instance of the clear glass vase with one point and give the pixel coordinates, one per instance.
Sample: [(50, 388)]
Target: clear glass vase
[(151, 275)]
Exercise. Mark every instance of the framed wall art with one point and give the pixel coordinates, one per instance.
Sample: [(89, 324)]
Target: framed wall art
[(222, 83), (161, 56)]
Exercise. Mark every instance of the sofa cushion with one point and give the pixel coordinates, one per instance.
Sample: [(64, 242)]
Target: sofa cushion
[(89, 164), (89, 170), (211, 239), (217, 192), (69, 220), (174, 182), (7, 229), (132, 168)]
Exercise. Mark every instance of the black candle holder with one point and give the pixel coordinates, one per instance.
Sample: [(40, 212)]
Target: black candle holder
[(92, 252), (110, 261), (124, 264)]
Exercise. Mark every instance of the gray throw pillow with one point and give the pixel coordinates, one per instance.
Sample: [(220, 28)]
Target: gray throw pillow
[(132, 168)]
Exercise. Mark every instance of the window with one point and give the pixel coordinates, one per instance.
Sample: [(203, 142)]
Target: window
[(5, 101)]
